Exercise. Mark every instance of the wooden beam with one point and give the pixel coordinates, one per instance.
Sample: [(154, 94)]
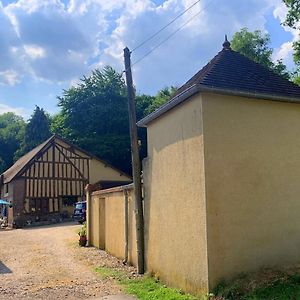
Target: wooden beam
[(72, 164)]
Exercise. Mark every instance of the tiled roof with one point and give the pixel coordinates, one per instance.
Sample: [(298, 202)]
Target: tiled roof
[(10, 173), (233, 71), (230, 72)]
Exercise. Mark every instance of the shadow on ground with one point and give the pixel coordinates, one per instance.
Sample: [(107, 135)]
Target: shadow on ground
[(39, 226), (4, 269)]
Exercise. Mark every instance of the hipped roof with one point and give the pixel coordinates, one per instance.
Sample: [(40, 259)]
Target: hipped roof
[(230, 72)]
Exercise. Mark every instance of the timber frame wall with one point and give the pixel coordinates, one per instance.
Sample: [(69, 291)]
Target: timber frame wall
[(56, 172)]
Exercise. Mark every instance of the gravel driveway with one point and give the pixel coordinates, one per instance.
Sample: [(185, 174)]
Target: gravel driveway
[(46, 263)]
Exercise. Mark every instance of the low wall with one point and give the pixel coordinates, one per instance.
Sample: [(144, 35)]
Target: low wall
[(111, 222)]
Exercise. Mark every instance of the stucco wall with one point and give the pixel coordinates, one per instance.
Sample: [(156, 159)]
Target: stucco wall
[(106, 223), (252, 167), (175, 219), (99, 171)]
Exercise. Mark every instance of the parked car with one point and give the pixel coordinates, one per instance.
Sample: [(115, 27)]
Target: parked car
[(80, 212)]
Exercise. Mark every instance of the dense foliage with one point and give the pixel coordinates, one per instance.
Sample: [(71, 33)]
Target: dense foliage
[(94, 115), (293, 21), (12, 129), (37, 130)]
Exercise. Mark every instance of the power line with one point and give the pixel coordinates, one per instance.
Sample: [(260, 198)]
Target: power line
[(160, 30), (172, 34)]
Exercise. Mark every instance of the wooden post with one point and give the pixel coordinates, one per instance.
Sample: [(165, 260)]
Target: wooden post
[(88, 213), (136, 164), (126, 226)]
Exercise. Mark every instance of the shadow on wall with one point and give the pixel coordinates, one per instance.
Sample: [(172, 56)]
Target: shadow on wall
[(4, 269)]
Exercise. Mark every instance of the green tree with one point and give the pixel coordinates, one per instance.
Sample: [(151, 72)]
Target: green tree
[(160, 98), (37, 130), (57, 125), (256, 46), (292, 20), (293, 15), (94, 115), (12, 128)]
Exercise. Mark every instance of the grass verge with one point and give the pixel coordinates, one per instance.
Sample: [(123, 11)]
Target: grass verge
[(145, 287), (267, 285)]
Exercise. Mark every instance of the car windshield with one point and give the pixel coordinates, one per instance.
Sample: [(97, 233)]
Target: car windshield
[(80, 205)]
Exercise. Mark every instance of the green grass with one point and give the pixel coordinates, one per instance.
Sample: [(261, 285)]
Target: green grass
[(284, 287), (265, 285), (145, 287)]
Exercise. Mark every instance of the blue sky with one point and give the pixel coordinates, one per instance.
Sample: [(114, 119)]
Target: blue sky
[(47, 45)]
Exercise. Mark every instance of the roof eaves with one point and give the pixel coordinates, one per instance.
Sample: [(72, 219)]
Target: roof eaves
[(169, 105), (262, 96), (202, 88), (27, 162)]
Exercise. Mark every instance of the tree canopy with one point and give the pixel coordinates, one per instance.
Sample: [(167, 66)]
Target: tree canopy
[(256, 46), (94, 115), (12, 129), (292, 20), (37, 130)]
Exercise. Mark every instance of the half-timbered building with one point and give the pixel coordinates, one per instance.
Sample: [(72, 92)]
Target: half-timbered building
[(44, 184)]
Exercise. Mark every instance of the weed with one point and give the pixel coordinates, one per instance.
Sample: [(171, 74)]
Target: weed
[(145, 287)]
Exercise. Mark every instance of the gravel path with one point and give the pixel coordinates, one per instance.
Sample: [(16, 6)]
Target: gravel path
[(46, 263)]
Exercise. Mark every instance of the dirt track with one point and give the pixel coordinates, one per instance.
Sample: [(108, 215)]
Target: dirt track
[(46, 263)]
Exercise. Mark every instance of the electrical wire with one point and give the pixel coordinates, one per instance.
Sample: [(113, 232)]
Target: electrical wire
[(172, 34), (164, 27)]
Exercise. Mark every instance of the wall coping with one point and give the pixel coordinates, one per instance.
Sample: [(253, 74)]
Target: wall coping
[(113, 190)]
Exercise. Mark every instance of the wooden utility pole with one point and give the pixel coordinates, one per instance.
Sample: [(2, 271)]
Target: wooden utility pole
[(136, 164)]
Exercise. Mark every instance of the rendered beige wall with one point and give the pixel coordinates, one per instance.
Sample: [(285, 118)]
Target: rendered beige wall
[(175, 213), (252, 168), (98, 171), (106, 223)]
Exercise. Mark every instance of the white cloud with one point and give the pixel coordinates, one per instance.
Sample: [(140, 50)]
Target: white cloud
[(17, 110), (64, 42), (285, 53), (187, 51), (9, 77), (34, 51)]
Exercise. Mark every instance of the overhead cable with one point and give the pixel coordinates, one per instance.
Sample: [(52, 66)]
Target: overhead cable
[(164, 27), (172, 34)]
